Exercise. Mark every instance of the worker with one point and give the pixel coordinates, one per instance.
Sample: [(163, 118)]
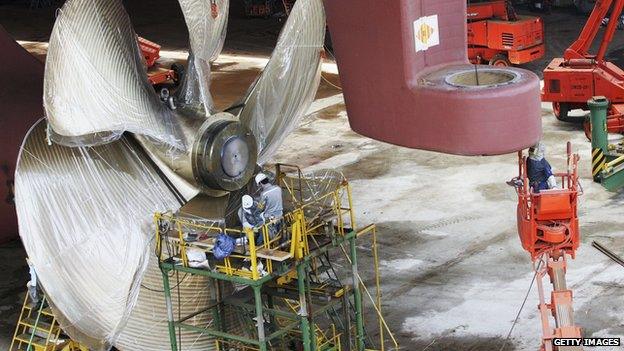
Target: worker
[(249, 213), (271, 203), (539, 171), (270, 197), (251, 217), (32, 285)]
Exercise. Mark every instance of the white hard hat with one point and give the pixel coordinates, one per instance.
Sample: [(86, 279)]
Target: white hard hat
[(538, 149), (247, 201), (260, 177)]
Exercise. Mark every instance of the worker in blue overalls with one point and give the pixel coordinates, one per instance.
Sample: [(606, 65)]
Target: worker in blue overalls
[(539, 171), (251, 217)]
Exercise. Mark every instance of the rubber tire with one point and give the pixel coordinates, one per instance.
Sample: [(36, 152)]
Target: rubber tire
[(500, 60), (179, 71), (587, 129), (561, 110), (561, 113)]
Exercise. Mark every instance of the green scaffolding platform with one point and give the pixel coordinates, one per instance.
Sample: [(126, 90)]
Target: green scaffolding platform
[(289, 293)]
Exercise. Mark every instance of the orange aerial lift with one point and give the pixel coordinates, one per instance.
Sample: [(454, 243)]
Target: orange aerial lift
[(570, 81), (155, 74), (549, 230), (499, 37)]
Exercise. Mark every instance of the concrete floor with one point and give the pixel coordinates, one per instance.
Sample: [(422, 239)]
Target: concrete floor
[(453, 272)]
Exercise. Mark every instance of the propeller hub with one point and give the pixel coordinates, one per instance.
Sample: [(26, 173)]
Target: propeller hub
[(224, 155), (235, 156)]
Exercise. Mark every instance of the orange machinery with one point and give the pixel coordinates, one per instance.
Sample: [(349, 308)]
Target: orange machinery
[(155, 74), (570, 81), (549, 230), (497, 36)]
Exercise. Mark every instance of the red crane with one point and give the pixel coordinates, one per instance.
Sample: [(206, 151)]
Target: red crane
[(156, 74), (549, 231), (499, 37), (570, 81)]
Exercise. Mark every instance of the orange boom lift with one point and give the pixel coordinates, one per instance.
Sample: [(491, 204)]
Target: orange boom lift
[(570, 81), (156, 74), (499, 37), (549, 230)]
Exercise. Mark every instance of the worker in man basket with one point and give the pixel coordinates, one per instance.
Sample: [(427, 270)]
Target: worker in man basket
[(539, 171), (271, 203)]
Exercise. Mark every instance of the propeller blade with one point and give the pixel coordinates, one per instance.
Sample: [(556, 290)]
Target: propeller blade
[(196, 292), (194, 92), (85, 217), (283, 93), (206, 21), (147, 327), (95, 83)]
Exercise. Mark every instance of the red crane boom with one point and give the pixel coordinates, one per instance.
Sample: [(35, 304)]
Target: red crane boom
[(570, 81)]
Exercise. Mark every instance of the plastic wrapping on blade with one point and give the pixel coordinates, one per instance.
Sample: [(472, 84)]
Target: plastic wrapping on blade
[(312, 188), (85, 217), (192, 294), (286, 88), (321, 182), (95, 84), (206, 21), (147, 327), (207, 28), (194, 92)]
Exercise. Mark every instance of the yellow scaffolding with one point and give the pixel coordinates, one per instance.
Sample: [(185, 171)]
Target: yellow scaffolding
[(37, 329), (296, 239)]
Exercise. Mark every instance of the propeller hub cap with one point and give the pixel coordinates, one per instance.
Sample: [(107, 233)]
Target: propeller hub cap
[(224, 155), (235, 156)]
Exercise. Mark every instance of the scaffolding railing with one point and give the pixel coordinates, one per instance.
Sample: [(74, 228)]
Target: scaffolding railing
[(317, 222), (290, 243), (38, 329)]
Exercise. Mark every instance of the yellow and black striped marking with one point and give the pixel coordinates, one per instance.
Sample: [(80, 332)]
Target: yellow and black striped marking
[(598, 162)]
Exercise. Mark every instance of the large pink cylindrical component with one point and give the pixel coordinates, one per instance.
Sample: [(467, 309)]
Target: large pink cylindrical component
[(406, 80), (21, 89)]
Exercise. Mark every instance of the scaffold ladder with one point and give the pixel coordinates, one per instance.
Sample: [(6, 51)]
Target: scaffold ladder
[(37, 328), (324, 274)]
